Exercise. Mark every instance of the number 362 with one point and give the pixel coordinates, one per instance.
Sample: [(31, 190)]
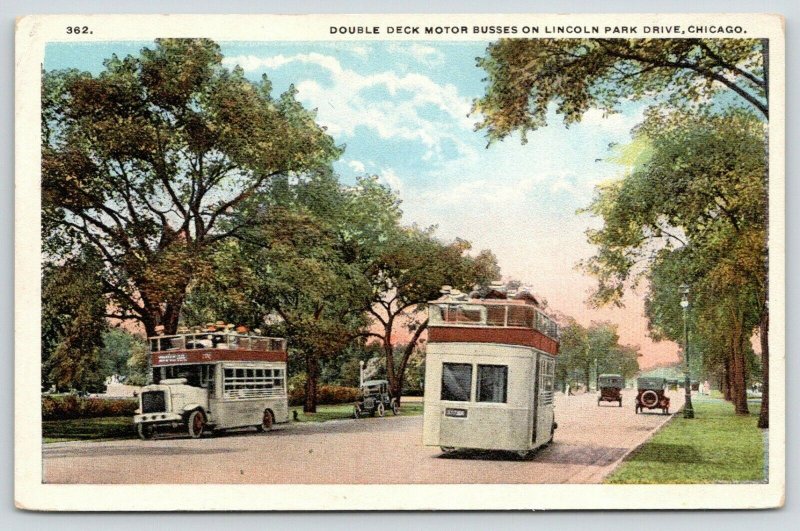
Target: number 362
[(75, 30)]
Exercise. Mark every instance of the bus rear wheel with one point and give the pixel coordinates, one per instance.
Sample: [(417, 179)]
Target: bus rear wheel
[(266, 421), (196, 424)]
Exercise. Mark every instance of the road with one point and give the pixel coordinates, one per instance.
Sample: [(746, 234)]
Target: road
[(589, 443)]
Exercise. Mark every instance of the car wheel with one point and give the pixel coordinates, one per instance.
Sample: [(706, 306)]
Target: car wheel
[(266, 421), (395, 408), (145, 431), (196, 424), (381, 410), (356, 412)]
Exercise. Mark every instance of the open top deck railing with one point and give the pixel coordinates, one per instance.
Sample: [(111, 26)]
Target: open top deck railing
[(216, 340), (493, 316)]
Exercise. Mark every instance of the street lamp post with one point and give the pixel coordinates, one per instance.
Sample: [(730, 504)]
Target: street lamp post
[(688, 410)]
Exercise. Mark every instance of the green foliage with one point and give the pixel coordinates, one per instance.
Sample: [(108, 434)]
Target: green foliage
[(326, 394), (580, 346), (138, 364), (410, 271), (526, 76), (300, 267), (74, 407), (91, 429), (693, 212), (147, 161), (119, 347), (73, 325)]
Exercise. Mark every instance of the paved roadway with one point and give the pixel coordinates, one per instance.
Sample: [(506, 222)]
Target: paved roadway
[(589, 443)]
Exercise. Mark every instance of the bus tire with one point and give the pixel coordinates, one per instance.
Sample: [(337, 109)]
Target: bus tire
[(380, 409), (267, 420), (145, 431), (196, 424)]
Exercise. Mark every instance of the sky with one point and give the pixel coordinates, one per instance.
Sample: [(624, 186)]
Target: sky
[(402, 111)]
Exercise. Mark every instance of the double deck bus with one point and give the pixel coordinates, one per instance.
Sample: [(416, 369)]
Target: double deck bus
[(213, 381), (489, 376)]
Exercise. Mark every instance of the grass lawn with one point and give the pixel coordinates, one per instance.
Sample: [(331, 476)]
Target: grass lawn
[(715, 447), (87, 429), (345, 411)]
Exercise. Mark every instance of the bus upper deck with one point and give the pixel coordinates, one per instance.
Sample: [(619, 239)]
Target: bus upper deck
[(514, 319)]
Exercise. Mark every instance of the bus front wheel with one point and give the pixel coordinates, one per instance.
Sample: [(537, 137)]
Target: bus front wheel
[(145, 431), (196, 424)]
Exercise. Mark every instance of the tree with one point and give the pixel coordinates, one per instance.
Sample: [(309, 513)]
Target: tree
[(410, 271), (524, 76), (590, 351), (146, 162), (303, 262), (73, 325), (696, 202)]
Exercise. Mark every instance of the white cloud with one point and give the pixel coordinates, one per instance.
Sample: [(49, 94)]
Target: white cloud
[(390, 177), (406, 114), (426, 55), (357, 166)]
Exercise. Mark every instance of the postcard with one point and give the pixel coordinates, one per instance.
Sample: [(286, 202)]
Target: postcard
[(363, 262)]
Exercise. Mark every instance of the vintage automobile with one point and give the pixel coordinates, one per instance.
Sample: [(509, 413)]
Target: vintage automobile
[(375, 399), (610, 386), (650, 394)]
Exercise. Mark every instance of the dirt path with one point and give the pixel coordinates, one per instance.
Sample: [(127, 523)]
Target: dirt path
[(588, 444)]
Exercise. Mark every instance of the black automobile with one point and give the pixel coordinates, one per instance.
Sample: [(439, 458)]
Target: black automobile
[(610, 388), (650, 395), (375, 399)]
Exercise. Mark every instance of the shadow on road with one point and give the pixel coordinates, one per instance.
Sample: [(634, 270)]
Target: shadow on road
[(150, 450)]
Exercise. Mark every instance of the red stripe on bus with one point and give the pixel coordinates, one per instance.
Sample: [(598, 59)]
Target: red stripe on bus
[(504, 336), (176, 357)]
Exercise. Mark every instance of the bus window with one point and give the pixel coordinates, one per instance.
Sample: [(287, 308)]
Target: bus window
[(492, 383), (456, 382)]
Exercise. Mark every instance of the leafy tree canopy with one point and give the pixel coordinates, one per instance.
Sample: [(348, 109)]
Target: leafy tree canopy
[(145, 161), (524, 76)]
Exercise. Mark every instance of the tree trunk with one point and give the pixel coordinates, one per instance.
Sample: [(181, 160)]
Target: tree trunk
[(587, 376), (763, 332), (726, 379), (312, 376), (738, 370)]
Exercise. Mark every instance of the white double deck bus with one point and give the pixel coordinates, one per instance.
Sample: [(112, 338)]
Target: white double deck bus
[(205, 382), (489, 377)]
